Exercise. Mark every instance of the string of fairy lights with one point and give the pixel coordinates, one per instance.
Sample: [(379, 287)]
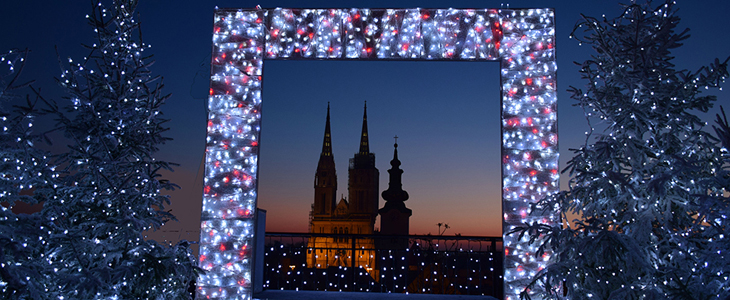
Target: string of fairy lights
[(430, 266), (523, 40)]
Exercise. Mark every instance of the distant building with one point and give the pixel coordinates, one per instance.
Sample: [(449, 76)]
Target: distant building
[(354, 215)]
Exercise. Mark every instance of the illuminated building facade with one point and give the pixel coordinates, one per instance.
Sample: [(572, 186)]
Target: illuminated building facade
[(354, 215)]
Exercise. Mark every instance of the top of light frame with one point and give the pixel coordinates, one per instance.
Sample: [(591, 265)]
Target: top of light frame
[(362, 33)]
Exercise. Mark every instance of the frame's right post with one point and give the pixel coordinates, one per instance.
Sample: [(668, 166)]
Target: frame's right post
[(529, 135)]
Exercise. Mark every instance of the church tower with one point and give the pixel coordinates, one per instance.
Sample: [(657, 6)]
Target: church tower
[(325, 179), (363, 180), (394, 216)]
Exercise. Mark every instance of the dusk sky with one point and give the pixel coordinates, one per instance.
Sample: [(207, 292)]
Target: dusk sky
[(446, 114)]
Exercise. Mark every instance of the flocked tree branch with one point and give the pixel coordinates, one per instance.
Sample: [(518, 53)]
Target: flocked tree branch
[(647, 187)]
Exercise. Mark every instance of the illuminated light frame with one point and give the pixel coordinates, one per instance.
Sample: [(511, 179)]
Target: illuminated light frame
[(521, 40)]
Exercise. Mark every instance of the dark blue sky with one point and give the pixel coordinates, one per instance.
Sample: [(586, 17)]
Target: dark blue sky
[(445, 113)]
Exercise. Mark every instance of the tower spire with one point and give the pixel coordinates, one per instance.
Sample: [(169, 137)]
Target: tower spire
[(363, 177), (327, 143), (395, 195), (364, 144), (325, 180)]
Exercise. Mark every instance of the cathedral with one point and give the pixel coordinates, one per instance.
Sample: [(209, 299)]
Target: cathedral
[(354, 215)]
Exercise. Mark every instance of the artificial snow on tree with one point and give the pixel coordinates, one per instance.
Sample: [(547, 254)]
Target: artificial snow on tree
[(103, 193), (648, 186), (23, 168)]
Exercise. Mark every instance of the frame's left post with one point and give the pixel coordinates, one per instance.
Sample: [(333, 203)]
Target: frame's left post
[(231, 165)]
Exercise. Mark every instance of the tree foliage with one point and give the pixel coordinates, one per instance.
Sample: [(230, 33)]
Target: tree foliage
[(23, 167), (648, 186), (103, 192)]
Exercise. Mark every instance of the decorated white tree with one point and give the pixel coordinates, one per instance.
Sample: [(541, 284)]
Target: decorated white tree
[(25, 175), (107, 191), (647, 187)]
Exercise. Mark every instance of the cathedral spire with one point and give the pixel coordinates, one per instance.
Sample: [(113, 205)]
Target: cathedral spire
[(364, 144), (327, 143), (325, 179)]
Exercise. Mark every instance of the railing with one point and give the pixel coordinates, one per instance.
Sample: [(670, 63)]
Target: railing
[(466, 265)]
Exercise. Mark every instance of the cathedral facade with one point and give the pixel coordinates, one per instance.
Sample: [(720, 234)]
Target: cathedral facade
[(354, 215)]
